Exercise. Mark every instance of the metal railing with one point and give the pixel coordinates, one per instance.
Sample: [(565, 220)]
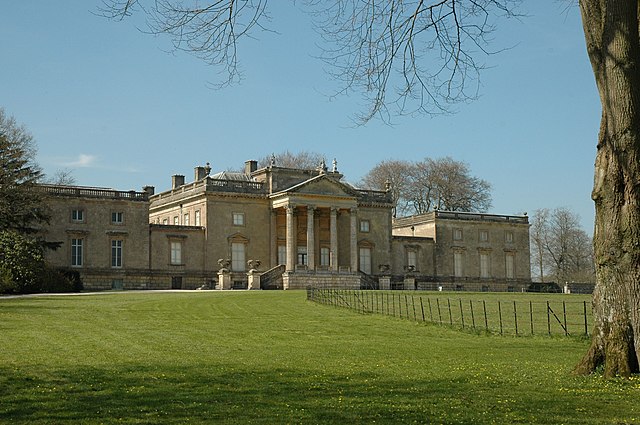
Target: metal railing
[(504, 317)]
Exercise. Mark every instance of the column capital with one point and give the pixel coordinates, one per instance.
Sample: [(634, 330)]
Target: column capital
[(311, 208), (290, 208)]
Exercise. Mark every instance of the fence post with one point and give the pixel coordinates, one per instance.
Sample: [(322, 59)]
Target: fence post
[(413, 303), (531, 315), (461, 313), (564, 312), (486, 324), (450, 316), (439, 315), (515, 316), (548, 319), (473, 319), (586, 330), (393, 298), (422, 308), (406, 304), (500, 316)]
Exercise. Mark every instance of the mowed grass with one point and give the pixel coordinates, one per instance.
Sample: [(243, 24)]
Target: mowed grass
[(273, 357)]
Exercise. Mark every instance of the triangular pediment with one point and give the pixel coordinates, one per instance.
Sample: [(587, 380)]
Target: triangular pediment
[(322, 185)]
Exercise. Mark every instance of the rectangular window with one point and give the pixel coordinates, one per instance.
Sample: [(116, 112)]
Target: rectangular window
[(176, 252), (117, 217), (508, 237), (484, 236), (238, 219), (176, 220), (197, 218), (302, 255), (324, 257), (282, 254), (77, 215), (412, 260), (510, 266), (76, 252), (116, 253), (457, 234), (364, 226), (365, 260), (457, 264), (238, 263), (165, 221), (186, 219), (484, 265)]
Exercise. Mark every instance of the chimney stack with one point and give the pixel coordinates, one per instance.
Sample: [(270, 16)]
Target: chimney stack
[(250, 166), (199, 173), (177, 180)]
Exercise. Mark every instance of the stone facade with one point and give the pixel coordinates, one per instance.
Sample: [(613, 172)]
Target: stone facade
[(294, 227)]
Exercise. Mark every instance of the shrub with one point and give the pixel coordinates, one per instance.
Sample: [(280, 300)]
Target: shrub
[(21, 262), (60, 280)]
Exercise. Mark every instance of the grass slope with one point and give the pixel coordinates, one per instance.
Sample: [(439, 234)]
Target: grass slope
[(273, 357)]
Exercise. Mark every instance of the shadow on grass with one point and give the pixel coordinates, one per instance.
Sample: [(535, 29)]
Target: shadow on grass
[(175, 394)]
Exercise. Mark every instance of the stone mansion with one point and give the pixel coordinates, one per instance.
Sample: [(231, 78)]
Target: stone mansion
[(278, 227)]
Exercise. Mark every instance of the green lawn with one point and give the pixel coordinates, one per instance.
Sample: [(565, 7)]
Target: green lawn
[(273, 357)]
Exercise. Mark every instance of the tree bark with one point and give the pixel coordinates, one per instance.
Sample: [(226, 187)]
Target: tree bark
[(611, 33)]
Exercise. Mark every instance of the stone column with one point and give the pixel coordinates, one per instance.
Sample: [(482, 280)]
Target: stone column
[(274, 239), (333, 229), (291, 235), (354, 240), (311, 244)]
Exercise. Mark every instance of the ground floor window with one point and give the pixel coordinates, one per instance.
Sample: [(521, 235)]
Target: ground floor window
[(325, 257), (458, 264), (302, 255), (238, 258), (510, 266), (77, 253), (176, 252), (365, 260), (116, 253), (117, 284), (484, 265)]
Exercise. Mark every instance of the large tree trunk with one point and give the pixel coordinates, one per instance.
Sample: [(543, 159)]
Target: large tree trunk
[(611, 32)]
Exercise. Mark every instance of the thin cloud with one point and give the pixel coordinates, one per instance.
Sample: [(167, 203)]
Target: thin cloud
[(83, 161)]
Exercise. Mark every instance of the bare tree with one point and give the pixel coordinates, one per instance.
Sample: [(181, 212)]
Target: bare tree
[(408, 56), (561, 249), (446, 184), (612, 34), (430, 184), (303, 160), (209, 30), (395, 176), (538, 236), (62, 177)]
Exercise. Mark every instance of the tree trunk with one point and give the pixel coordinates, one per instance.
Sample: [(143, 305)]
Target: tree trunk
[(611, 33)]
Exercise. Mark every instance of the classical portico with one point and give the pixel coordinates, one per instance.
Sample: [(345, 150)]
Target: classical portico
[(311, 222)]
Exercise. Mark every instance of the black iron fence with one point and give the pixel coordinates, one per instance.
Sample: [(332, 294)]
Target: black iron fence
[(506, 317)]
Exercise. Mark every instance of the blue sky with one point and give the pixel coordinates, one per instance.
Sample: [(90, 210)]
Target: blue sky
[(118, 109)]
